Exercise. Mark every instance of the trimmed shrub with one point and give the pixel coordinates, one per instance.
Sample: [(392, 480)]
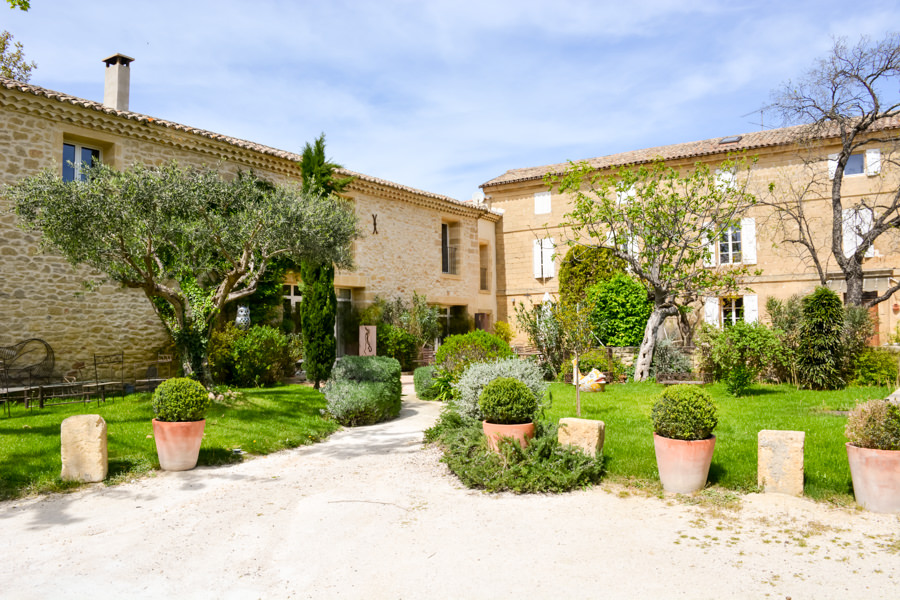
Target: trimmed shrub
[(180, 399), (259, 356), (684, 412), (875, 366), (820, 353), (507, 401), (477, 376), (354, 403), (364, 390), (397, 343), (423, 377), (875, 424), (459, 351)]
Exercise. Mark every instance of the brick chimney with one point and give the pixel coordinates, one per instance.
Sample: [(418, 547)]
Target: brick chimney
[(118, 80)]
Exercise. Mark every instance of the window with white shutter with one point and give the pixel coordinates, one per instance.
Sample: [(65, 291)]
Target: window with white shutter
[(542, 203), (542, 258)]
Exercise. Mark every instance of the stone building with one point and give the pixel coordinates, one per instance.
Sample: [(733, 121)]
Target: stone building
[(412, 240), (533, 213)]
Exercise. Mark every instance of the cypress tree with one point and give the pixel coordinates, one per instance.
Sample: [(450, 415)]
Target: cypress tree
[(317, 314), (819, 355)]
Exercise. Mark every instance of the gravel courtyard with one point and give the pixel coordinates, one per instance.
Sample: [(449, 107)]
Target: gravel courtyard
[(371, 513)]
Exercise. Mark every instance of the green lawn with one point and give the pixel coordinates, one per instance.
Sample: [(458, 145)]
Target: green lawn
[(259, 421), (628, 448)]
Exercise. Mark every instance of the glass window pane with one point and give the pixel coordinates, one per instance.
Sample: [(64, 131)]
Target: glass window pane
[(68, 162), (855, 165)]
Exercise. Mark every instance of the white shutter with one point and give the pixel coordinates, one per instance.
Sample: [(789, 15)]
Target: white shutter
[(709, 261), (832, 165), (711, 311), (542, 205), (724, 179), (856, 223), (748, 240), (865, 219), (547, 257), (537, 259), (626, 196), (751, 308), (873, 161), (634, 248)]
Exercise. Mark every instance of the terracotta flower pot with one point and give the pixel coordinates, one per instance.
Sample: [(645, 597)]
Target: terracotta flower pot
[(178, 443), (683, 465), (521, 433), (876, 478)]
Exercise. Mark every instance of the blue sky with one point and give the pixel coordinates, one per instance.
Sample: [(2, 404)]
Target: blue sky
[(445, 95)]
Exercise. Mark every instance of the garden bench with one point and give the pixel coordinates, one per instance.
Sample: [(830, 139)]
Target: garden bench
[(27, 363)]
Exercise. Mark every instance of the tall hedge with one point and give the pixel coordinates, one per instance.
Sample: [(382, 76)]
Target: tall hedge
[(620, 309), (820, 350), (317, 313)]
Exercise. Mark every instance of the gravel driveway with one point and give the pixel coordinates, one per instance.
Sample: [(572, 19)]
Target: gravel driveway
[(370, 513)]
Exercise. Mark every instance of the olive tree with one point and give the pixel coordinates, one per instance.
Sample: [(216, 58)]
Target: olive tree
[(662, 223), (192, 240)]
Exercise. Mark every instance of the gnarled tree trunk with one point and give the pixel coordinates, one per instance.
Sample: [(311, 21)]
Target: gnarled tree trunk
[(645, 354)]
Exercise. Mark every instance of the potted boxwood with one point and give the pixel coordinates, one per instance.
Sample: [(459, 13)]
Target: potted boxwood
[(684, 417), (873, 450), (180, 405), (509, 408)]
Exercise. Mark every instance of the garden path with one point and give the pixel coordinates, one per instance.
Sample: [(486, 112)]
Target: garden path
[(371, 513)]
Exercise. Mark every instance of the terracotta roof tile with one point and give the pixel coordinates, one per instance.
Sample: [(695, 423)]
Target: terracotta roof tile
[(12, 84), (748, 141)]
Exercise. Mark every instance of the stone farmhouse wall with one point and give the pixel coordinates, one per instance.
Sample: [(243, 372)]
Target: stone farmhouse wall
[(42, 296), (784, 271)]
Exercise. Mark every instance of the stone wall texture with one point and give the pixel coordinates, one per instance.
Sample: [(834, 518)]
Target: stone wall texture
[(784, 271), (43, 296)]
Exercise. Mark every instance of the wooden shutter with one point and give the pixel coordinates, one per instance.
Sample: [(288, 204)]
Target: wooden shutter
[(748, 240), (711, 311), (873, 161), (751, 308)]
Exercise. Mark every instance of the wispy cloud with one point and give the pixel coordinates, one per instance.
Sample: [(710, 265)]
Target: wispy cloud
[(444, 95)]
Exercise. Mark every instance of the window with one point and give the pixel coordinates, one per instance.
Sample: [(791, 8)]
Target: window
[(542, 204), (729, 310), (74, 156), (543, 258), (868, 162), (732, 311), (484, 263), (730, 246), (449, 247), (736, 245)]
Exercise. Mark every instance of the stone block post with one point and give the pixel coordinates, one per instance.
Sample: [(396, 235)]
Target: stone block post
[(584, 434), (780, 461), (84, 451)]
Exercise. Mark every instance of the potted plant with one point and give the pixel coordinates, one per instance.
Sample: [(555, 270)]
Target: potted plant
[(873, 450), (180, 405), (509, 407), (684, 417)]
